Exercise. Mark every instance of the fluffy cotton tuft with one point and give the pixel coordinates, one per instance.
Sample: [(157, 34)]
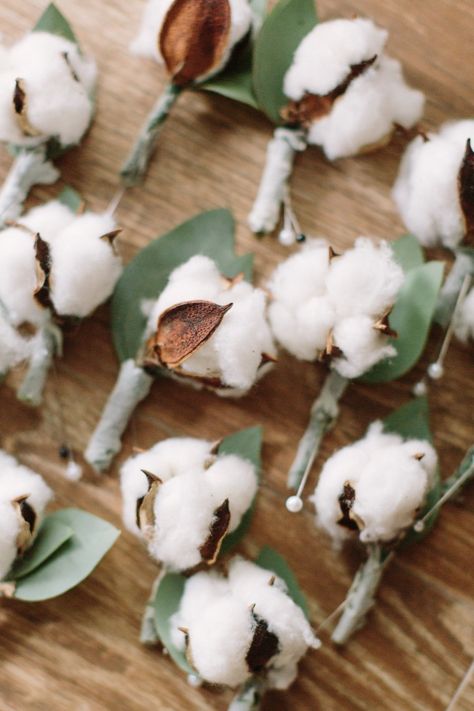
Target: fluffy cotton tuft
[(14, 348), (315, 298), (390, 477), (364, 115), (217, 612), (195, 483), (15, 481), (147, 42), (430, 168), (84, 271), (58, 81), (233, 354), (464, 324)]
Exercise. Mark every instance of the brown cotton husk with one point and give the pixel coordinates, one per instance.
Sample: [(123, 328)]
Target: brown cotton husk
[(330, 350), (43, 267), (466, 191), (146, 505), (217, 531), (312, 107), (27, 519), (264, 645), (70, 67), (383, 325), (110, 237), (229, 282), (346, 501), (194, 38), (182, 329), (20, 106)]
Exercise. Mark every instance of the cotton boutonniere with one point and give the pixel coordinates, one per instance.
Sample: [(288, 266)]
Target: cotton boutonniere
[(384, 491), (189, 500), (366, 313), (42, 556), (246, 627), (331, 85), (204, 44), (184, 308), (442, 164), (46, 104), (57, 264)]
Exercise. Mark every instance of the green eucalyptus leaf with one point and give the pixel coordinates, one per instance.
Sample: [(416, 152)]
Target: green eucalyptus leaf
[(73, 561), (408, 252), (247, 444), (271, 560), (71, 198), (210, 233), (411, 421), (51, 536), (280, 35), (55, 23), (167, 601), (235, 80), (411, 317)]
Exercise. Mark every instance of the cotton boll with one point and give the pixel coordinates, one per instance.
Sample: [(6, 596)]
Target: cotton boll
[(17, 480), (49, 219), (364, 280), (431, 168), (231, 477), (58, 81), (85, 268), (169, 458), (361, 344), (147, 43), (390, 479), (13, 347), (464, 322), (365, 115), (324, 58)]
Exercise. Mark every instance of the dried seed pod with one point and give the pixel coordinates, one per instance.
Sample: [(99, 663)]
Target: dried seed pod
[(194, 38), (466, 191), (383, 325), (264, 645), (146, 505), (217, 531), (43, 267), (110, 237), (183, 328), (20, 106), (27, 519), (346, 502)]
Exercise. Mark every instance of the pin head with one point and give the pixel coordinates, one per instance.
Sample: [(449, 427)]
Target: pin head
[(294, 504), (286, 237), (419, 526), (435, 371), (194, 680), (420, 388)]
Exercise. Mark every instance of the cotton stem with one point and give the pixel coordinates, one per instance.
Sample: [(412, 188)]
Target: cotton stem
[(249, 697), (148, 633), (46, 343), (463, 265), (29, 168), (323, 415), (136, 165), (132, 385), (278, 166), (361, 596)]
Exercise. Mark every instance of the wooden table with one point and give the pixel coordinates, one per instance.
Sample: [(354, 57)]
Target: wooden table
[(81, 652)]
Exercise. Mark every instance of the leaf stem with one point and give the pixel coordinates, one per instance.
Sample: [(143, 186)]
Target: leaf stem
[(323, 415), (278, 166), (132, 385), (361, 596), (463, 265), (46, 343), (29, 168), (136, 165), (249, 696), (148, 634)]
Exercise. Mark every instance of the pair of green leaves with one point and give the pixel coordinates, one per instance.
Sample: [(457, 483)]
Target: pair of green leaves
[(255, 73), (69, 545), (413, 312)]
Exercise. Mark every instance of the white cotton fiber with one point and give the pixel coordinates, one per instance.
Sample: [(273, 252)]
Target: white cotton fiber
[(220, 616), (316, 300), (234, 352), (147, 43), (426, 190), (364, 115), (14, 348), (15, 481), (58, 81), (390, 477), (18, 278), (464, 323), (195, 484)]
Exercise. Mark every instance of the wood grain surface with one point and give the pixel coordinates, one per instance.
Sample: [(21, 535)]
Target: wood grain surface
[(81, 652)]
